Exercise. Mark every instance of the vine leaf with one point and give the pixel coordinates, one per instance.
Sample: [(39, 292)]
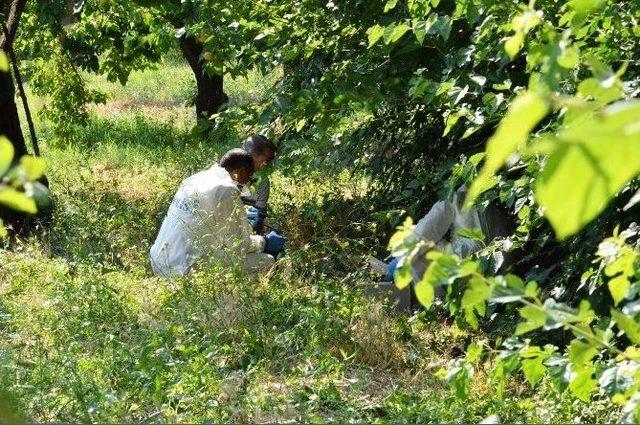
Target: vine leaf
[(628, 325), (524, 114), (580, 353), (593, 159), (6, 155), (17, 200), (375, 33), (475, 299), (619, 287), (535, 318), (425, 293), (582, 384)]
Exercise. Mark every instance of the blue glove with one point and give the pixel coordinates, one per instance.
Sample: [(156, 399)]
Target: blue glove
[(391, 268), (275, 243), (253, 214)]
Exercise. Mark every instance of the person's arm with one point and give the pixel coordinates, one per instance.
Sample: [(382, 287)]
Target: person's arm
[(435, 225), (236, 226), (262, 200), (262, 193)]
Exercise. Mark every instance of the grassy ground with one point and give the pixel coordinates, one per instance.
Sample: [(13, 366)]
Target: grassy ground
[(87, 334)]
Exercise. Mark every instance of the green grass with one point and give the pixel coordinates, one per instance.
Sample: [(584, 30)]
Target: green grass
[(172, 84), (87, 334)]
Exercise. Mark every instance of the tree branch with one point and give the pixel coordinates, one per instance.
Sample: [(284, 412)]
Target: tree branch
[(13, 22)]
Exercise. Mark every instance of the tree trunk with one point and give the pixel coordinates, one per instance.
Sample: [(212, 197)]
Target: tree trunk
[(211, 95), (10, 127), (9, 119), (13, 22)]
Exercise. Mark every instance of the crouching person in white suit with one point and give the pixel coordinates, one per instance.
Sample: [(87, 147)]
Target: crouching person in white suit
[(207, 221)]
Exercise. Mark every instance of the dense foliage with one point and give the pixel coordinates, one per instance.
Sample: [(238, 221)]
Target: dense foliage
[(586, 150), (386, 87)]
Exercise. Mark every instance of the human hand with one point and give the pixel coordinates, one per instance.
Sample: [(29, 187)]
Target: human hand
[(275, 243)]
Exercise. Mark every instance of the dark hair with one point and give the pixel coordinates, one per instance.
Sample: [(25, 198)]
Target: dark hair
[(257, 144), (237, 159)]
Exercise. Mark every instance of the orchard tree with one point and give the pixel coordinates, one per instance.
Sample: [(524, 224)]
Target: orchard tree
[(19, 192), (116, 37), (11, 14), (209, 79), (105, 37)]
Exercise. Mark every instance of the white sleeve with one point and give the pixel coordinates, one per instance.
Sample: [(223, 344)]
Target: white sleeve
[(435, 225)]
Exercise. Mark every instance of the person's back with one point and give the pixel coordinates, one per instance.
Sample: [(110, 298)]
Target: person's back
[(207, 220), (194, 221)]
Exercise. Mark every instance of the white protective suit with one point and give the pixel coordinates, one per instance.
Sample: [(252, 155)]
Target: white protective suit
[(207, 220), (443, 218)]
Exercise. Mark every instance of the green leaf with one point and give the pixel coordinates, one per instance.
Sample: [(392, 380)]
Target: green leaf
[(402, 275), (624, 262), (619, 287), (375, 33), (533, 370), (569, 57), (535, 318), (586, 6), (474, 352), (424, 292), (582, 384), (508, 289), (586, 315), (17, 200), (398, 32), (473, 234), (33, 166), (458, 375), (439, 24), (451, 121), (526, 111), (521, 24), (594, 158), (4, 62), (559, 314), (602, 91), (399, 240), (514, 44), (475, 300), (6, 155), (389, 30), (580, 353), (3, 230), (443, 269), (391, 4), (532, 364), (420, 31), (628, 325), (531, 290)]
